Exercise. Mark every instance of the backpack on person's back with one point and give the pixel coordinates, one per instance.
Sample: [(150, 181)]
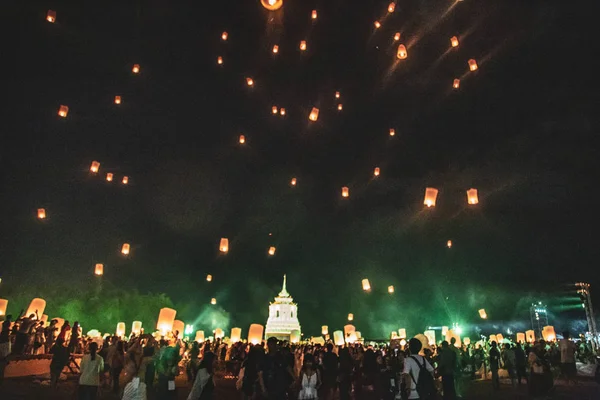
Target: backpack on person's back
[(425, 384)]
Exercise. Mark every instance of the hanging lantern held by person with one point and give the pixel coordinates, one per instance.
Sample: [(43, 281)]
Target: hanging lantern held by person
[(236, 335), (166, 318), (38, 306), (120, 332), (324, 330), (255, 334), (136, 327), (430, 197)]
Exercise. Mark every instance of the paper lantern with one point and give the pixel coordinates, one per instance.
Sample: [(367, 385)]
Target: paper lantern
[(472, 197), (482, 314), (224, 245), (452, 334), (44, 319), (213, 301), (274, 109), (99, 269), (430, 335), (51, 16), (272, 5), (392, 132), (449, 244), (293, 182), (136, 327), (402, 333), (317, 340), (199, 336), (548, 333), (303, 45), (178, 326), (397, 36), (109, 177), (36, 304), (472, 64), (500, 338), (456, 83), (242, 139), (41, 213), (493, 338), (236, 335), (63, 111), (520, 337), (95, 166), (220, 60), (390, 289), (350, 317), (366, 285), (324, 329), (313, 15), (117, 100), (444, 330), (338, 338), (282, 111), (275, 49), (219, 334), (340, 107), (136, 68), (530, 335), (430, 197), (391, 7), (120, 332), (224, 36), (314, 114), (466, 341), (345, 191), (249, 81), (377, 24), (337, 95), (294, 336), (454, 41), (208, 278), (125, 180), (59, 323), (376, 171), (166, 318), (255, 333), (401, 53), (3, 306), (358, 334), (125, 249), (272, 251)]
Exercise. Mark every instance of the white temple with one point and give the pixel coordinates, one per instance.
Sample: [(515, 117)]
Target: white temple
[(283, 316)]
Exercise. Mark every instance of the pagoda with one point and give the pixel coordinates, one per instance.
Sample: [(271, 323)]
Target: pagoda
[(283, 317)]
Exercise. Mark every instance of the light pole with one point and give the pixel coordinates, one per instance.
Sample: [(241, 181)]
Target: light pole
[(584, 290)]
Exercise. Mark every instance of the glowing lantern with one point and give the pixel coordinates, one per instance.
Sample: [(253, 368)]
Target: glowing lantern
[(391, 7), (338, 338), (393, 335), (466, 341), (95, 166), (274, 109), (38, 305), (63, 111), (530, 335), (136, 68), (303, 45), (376, 171), (271, 251), (3, 306), (454, 41), (295, 336), (402, 333), (255, 333), (44, 319), (456, 83), (397, 36), (345, 191), (472, 64), (324, 329), (548, 333), (109, 177), (224, 36), (41, 213), (401, 53), (493, 338), (449, 244), (236, 335), (213, 301), (51, 16), (242, 139), (275, 49), (472, 197), (125, 180), (349, 329), (451, 334), (482, 314), (199, 336), (314, 114), (59, 323), (120, 332), (293, 182), (390, 289), (208, 278), (136, 327), (99, 269), (219, 334), (520, 337), (366, 285), (377, 25), (272, 5), (337, 95), (500, 338), (430, 197), (178, 326), (444, 330), (350, 317), (117, 100), (392, 132), (250, 81), (430, 335), (224, 245), (340, 107), (125, 249), (282, 111), (352, 337), (358, 335), (313, 15), (220, 60)]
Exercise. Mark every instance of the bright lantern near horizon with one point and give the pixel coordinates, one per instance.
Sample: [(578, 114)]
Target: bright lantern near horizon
[(220, 60), (125, 180), (125, 249), (99, 269), (51, 16), (377, 24), (41, 213), (272, 251), (397, 36), (275, 49), (324, 330), (482, 314), (313, 15), (282, 111), (449, 244), (390, 289), (208, 278), (430, 197), (350, 317), (473, 64), (376, 171), (472, 197), (392, 7), (224, 36), (109, 177), (63, 111), (454, 41), (392, 132), (242, 139), (224, 245), (303, 45), (213, 301), (95, 166), (314, 114), (345, 191), (272, 5), (402, 53), (456, 83), (293, 182), (250, 81), (136, 68), (366, 285)]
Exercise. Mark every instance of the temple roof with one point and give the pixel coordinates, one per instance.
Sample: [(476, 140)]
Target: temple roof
[(284, 292)]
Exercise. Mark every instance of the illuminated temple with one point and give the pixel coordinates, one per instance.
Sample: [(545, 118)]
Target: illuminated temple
[(283, 317)]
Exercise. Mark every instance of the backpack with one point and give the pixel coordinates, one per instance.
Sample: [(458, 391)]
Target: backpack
[(425, 384)]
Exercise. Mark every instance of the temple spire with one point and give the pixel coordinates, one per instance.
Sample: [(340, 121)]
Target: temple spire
[(284, 292)]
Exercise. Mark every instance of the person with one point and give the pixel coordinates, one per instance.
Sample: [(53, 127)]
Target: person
[(494, 355), (309, 380), (65, 330), (509, 359), (346, 368), (274, 372), (539, 385), (4, 346), (330, 371), (248, 375), (92, 367), (204, 384), (521, 362), (50, 334), (192, 365), (22, 337), (447, 369), (75, 336), (116, 360), (167, 369), (568, 367), (60, 359), (414, 365)]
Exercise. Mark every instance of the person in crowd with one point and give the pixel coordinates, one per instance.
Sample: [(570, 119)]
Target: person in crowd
[(115, 358), (22, 338), (540, 378), (494, 356), (167, 369), (330, 371), (192, 365), (346, 370), (65, 332), (50, 334), (132, 361), (510, 363), (248, 377), (60, 359), (414, 366), (274, 373), (92, 368), (39, 340), (447, 366), (309, 381), (568, 368), (5, 346), (204, 384), (520, 363), (74, 346)]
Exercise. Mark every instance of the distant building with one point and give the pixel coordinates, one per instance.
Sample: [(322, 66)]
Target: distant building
[(283, 316)]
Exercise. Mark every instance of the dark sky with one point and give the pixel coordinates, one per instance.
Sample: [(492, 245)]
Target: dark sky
[(522, 130)]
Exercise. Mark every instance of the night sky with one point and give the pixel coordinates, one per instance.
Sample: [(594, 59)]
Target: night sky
[(521, 129)]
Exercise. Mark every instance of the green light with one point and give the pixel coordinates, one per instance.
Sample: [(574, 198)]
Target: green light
[(189, 329), (582, 305), (459, 330)]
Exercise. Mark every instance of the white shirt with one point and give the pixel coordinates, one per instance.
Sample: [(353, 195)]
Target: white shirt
[(91, 370), (410, 366), (567, 351)]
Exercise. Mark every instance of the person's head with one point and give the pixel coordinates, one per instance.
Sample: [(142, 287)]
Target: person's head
[(309, 361), (59, 342), (444, 344), (506, 346), (8, 317), (207, 361), (76, 324), (31, 316), (93, 349), (379, 358), (329, 347), (120, 346), (414, 345), (453, 341), (566, 334), (272, 344), (494, 344)]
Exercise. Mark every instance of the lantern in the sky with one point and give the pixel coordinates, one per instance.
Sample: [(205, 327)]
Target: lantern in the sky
[(444, 330), (350, 317), (220, 60), (376, 171), (213, 301), (337, 95), (295, 336), (275, 49), (391, 7), (454, 41), (390, 289), (324, 330), (456, 83), (255, 333), (293, 182), (242, 139), (340, 107), (274, 109), (249, 81), (313, 15), (392, 132), (224, 245), (482, 314), (282, 111), (236, 335), (166, 318), (41, 213), (125, 180), (120, 332), (500, 338), (472, 64), (430, 335), (136, 68), (366, 285), (303, 45), (520, 337), (430, 197), (224, 36), (338, 338), (401, 53), (208, 278), (136, 327), (38, 305), (345, 191), (548, 333), (272, 250), (348, 329), (493, 338), (402, 333), (466, 341), (397, 36), (219, 334), (95, 166), (178, 326), (117, 100), (199, 336), (63, 111), (51, 16), (314, 114), (109, 177), (449, 244), (99, 269), (125, 249), (472, 197), (272, 5), (530, 335), (3, 306)]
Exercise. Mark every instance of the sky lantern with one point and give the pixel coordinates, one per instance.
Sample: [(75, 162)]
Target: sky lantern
[(548, 333), (208, 278), (95, 166), (220, 60), (466, 341), (272, 5), (392, 132), (345, 191), (482, 314), (454, 41), (99, 269), (392, 7), (213, 301), (166, 318), (63, 111), (282, 111), (397, 36), (376, 171), (456, 83), (366, 285), (136, 327), (340, 107), (377, 24), (449, 244), (530, 335), (242, 139), (199, 336), (219, 334), (324, 329), (275, 49), (390, 289), (136, 68), (350, 317), (295, 336), (120, 332), (249, 81), (338, 338), (3, 306), (125, 249), (430, 335), (274, 109), (224, 245), (430, 197), (500, 337), (224, 36), (493, 338), (41, 213), (313, 15), (117, 100), (38, 305), (51, 16), (293, 182), (255, 333), (444, 330), (125, 180), (473, 65), (337, 95), (303, 45), (109, 177), (472, 197), (272, 250), (520, 337), (178, 326), (314, 114), (236, 335), (401, 53), (402, 333)]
